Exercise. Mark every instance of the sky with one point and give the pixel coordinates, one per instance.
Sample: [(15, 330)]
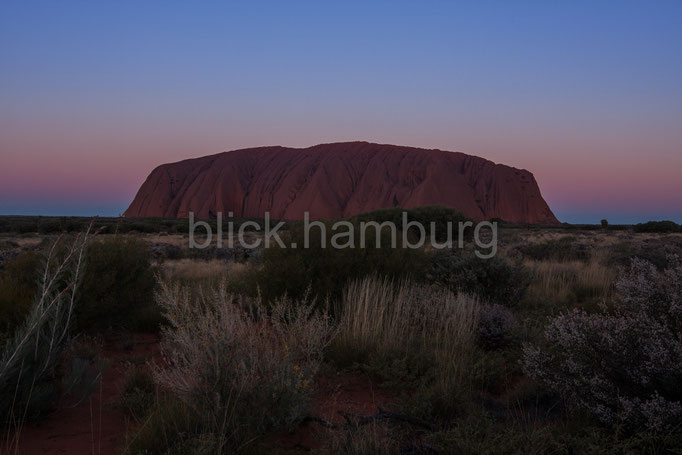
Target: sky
[(586, 95)]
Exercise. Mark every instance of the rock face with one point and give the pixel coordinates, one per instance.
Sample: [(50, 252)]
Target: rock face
[(339, 180)]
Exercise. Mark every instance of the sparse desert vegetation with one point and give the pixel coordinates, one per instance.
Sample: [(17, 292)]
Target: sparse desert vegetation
[(567, 342), (352, 227), (32, 349)]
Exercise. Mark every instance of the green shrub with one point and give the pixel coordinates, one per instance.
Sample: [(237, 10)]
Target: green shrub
[(26, 227), (496, 372), (479, 434), (172, 427), (495, 280), (563, 249), (658, 226), (426, 215), (139, 226), (326, 271), (371, 439), (118, 286), (495, 327), (18, 282), (49, 227), (138, 392)]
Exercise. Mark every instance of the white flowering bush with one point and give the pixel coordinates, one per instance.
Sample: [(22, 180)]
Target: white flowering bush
[(623, 365), (244, 368)]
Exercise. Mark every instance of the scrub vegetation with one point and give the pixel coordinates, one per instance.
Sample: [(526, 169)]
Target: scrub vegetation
[(566, 342)]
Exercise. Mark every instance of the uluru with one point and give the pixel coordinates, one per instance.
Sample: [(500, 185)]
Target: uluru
[(339, 180)]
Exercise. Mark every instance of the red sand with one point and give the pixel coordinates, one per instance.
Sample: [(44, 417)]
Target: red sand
[(353, 393), (96, 426), (333, 181)]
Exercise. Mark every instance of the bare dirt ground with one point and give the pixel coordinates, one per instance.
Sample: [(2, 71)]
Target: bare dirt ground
[(98, 426), (352, 393)]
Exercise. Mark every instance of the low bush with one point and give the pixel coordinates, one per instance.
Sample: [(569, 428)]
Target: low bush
[(655, 250), (118, 287), (658, 227), (80, 371), (495, 280), (50, 227), (496, 371), (561, 249), (172, 427), (495, 327), (18, 282), (138, 392), (326, 271), (374, 438), (242, 370), (9, 249), (479, 434), (445, 220), (26, 227), (620, 365)]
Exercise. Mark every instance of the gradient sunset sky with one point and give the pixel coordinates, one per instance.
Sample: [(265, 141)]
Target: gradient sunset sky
[(586, 95)]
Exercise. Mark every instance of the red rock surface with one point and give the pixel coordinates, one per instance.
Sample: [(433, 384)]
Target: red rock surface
[(339, 180)]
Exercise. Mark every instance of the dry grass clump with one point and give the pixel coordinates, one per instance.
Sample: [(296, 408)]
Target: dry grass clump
[(193, 270), (242, 368), (391, 324), (138, 392), (179, 240), (375, 438), (380, 315), (561, 283)]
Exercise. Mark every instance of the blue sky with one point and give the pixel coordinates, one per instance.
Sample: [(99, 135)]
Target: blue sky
[(586, 95)]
